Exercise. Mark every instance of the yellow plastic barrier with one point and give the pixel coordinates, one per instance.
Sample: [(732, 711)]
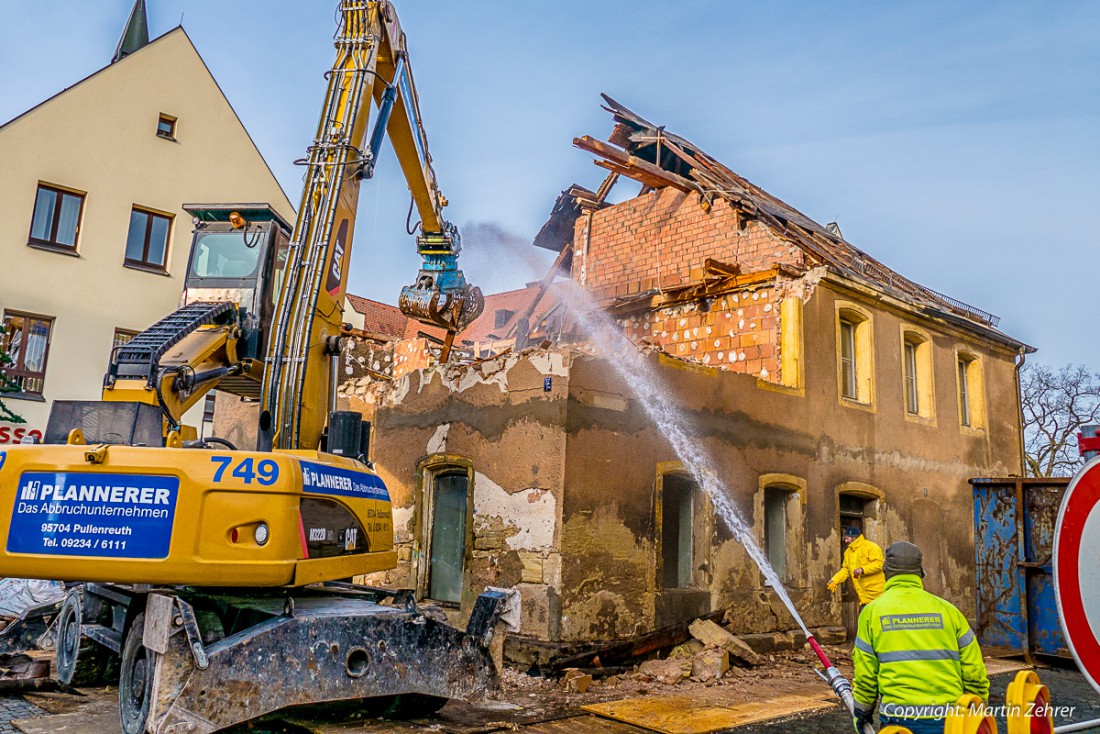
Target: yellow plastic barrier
[(1028, 702), (894, 729), (969, 717)]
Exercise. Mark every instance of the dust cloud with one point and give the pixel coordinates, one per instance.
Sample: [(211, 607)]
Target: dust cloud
[(497, 259)]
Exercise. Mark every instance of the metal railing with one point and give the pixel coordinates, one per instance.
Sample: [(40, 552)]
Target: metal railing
[(884, 275)]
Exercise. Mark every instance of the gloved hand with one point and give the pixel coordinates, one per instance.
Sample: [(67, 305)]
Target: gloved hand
[(862, 718), (832, 586), (858, 572)]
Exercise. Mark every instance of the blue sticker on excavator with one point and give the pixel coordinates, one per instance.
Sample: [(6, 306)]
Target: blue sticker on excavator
[(3, 456), (322, 479), (104, 515)]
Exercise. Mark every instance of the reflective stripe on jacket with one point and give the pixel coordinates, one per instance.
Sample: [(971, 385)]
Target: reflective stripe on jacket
[(915, 649), (862, 553)]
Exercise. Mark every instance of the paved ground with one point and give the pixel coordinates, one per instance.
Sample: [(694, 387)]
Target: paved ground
[(1067, 688), (14, 707)]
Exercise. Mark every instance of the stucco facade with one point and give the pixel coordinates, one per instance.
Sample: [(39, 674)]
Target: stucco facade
[(98, 139)]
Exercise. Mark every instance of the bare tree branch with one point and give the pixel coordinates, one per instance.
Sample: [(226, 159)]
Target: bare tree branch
[(1055, 406)]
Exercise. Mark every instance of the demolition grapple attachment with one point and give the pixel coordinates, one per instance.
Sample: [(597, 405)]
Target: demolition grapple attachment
[(441, 296)]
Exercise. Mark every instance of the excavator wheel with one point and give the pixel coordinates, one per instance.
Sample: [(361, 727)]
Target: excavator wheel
[(135, 682), (80, 662), (68, 637)]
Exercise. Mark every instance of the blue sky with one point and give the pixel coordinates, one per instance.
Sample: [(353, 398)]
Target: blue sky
[(959, 143)]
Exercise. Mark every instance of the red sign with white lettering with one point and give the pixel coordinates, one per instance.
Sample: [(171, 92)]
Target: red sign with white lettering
[(15, 433), (1076, 563)]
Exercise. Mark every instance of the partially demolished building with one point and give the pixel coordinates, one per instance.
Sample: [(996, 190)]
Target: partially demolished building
[(828, 389)]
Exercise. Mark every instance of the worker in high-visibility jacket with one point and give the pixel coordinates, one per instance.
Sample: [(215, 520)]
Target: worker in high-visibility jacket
[(914, 650), (863, 563)]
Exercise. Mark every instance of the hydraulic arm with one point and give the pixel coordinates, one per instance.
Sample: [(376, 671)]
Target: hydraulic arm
[(371, 63)]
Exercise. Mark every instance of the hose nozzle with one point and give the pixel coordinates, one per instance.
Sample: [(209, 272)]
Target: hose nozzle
[(840, 685)]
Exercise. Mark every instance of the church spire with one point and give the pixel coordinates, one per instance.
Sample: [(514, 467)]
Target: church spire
[(136, 34)]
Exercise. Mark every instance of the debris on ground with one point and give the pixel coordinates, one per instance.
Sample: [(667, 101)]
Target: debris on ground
[(710, 633), (710, 664), (21, 672), (575, 681), (687, 650), (669, 671)]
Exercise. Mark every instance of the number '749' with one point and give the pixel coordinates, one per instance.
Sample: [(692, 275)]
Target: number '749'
[(265, 471)]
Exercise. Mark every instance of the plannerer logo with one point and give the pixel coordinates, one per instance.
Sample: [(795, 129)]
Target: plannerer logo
[(36, 490), (93, 514)]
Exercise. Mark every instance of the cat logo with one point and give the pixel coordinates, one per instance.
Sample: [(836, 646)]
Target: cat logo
[(335, 274), (350, 536)]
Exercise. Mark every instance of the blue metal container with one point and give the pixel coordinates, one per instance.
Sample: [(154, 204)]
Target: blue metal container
[(1014, 522)]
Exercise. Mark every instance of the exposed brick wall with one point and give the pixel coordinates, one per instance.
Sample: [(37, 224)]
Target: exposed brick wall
[(392, 359), (662, 239), (738, 332), (410, 355)]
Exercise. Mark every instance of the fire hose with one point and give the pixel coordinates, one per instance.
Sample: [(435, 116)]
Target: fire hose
[(840, 685)]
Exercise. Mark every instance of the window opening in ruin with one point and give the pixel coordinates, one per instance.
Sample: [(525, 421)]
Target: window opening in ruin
[(502, 317), (855, 356), (916, 373), (912, 396), (853, 512), (677, 495), (775, 528), (448, 535), (848, 379), (964, 390)]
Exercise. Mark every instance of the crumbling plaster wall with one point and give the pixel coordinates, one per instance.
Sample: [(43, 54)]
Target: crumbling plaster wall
[(499, 418)]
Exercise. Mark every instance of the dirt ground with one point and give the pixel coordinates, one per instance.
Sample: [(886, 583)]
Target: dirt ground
[(785, 683), (524, 703)]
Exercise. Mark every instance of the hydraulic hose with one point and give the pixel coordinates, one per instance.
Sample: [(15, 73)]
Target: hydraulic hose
[(840, 685)]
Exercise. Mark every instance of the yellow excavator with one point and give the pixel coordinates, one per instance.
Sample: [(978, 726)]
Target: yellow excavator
[(216, 578)]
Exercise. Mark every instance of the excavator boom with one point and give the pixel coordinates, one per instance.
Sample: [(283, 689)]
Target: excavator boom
[(371, 64)]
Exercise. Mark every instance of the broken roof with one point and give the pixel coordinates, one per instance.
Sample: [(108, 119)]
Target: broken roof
[(657, 158), (379, 318), (496, 322)]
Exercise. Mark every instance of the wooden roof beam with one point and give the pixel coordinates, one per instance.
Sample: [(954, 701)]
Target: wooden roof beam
[(632, 166)]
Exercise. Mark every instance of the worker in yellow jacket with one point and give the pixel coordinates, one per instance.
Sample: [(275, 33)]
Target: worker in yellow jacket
[(915, 650), (863, 563)]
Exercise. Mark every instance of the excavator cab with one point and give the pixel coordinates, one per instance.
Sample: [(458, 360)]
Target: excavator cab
[(237, 255)]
